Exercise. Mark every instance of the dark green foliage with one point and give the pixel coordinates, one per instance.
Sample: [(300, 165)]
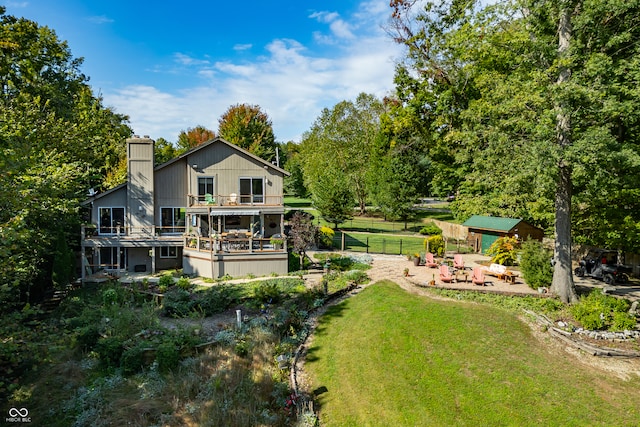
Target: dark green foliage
[(132, 360), (109, 351), (215, 300), (63, 263), (535, 264), (87, 337), (177, 303), (167, 356), (267, 292), (596, 311), (333, 198)]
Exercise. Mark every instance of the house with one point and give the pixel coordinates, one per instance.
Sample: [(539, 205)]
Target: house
[(212, 211), (484, 230)]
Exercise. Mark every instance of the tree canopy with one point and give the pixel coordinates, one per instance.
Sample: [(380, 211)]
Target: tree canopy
[(250, 128), (57, 140), (535, 102)]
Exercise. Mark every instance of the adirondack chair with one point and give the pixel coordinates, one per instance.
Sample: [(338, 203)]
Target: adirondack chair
[(445, 274), (429, 261), (209, 199), (477, 278), (458, 262)]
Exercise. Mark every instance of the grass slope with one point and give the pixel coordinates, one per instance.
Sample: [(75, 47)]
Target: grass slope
[(387, 357)]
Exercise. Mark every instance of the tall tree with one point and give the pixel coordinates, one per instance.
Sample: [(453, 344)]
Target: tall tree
[(56, 141), (517, 83), (193, 137), (343, 137), (250, 128), (163, 151), (332, 197)]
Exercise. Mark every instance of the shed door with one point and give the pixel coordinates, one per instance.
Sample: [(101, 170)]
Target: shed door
[(487, 241)]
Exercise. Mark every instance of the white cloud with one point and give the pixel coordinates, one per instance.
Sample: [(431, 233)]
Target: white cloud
[(291, 82), (183, 59), (245, 46), (17, 4), (339, 28), (102, 19)]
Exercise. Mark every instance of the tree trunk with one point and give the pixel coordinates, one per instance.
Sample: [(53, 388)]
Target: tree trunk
[(562, 284)]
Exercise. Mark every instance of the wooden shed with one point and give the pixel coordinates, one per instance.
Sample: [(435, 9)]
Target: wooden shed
[(484, 230)]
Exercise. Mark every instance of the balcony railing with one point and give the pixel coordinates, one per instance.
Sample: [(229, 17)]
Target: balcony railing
[(234, 244), (120, 232), (235, 200)]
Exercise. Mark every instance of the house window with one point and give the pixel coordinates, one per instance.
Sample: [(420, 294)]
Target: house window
[(172, 220), (111, 221), (113, 258), (251, 190), (168, 252), (205, 186)]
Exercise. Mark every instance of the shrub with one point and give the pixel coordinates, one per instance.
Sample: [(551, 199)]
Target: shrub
[(535, 263), (215, 299), (176, 303), (110, 296), (132, 360), (88, 337), (504, 250), (267, 292), (110, 351), (596, 311), (325, 237), (167, 356), (431, 229), (184, 283), (623, 321), (356, 276), (166, 280), (434, 244)]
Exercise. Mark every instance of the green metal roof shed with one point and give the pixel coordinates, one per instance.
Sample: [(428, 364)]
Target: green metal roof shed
[(484, 230)]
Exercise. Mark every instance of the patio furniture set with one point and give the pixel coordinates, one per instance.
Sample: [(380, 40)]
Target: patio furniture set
[(457, 270)]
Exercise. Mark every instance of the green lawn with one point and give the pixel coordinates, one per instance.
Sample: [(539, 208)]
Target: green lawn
[(389, 358), (376, 224)]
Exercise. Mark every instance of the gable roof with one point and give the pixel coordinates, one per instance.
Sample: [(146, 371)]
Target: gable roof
[(187, 153), (493, 223), (223, 141)]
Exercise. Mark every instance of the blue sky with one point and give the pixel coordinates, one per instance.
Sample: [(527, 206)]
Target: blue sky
[(174, 65)]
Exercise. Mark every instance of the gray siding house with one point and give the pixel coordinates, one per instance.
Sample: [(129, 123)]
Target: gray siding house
[(215, 210)]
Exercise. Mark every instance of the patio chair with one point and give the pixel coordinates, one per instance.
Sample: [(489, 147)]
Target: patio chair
[(477, 278), (429, 261), (445, 274), (458, 262), (209, 199)]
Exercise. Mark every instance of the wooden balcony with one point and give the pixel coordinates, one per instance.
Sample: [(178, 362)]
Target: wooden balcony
[(234, 243), (235, 200), (155, 232)]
